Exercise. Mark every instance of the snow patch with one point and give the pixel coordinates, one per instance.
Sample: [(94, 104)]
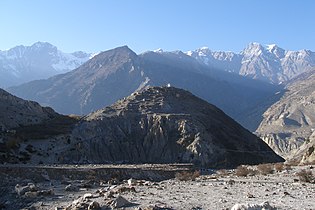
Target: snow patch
[(159, 50), (94, 54)]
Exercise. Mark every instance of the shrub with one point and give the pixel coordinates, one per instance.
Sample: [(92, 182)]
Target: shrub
[(187, 175), (12, 143), (222, 172), (306, 176), (279, 167), (288, 167), (265, 169), (242, 171), (293, 163)]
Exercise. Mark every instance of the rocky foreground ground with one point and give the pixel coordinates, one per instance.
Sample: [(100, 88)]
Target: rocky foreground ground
[(152, 187)]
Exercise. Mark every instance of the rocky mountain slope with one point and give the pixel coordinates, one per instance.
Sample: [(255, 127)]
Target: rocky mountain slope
[(116, 73), (21, 121), (271, 63), (41, 60), (156, 125), (101, 81), (165, 125), (16, 112), (290, 122)]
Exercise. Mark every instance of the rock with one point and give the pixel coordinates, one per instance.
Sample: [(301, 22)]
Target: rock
[(286, 193), (30, 194), (94, 205), (262, 206), (131, 182), (72, 188), (87, 196), (21, 190), (123, 189), (46, 192), (45, 176), (230, 182), (112, 187), (250, 195), (79, 204), (160, 206), (120, 202)]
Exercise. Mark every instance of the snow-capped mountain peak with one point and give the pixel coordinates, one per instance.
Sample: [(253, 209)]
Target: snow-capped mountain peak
[(264, 62), (159, 50), (270, 47), (253, 49), (39, 61)]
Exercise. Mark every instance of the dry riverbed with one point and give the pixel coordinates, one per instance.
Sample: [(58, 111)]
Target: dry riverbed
[(96, 189)]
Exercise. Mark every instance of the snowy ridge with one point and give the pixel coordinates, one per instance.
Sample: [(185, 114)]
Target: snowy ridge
[(38, 61), (268, 63)]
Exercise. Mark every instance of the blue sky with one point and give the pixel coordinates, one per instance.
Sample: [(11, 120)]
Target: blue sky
[(98, 25)]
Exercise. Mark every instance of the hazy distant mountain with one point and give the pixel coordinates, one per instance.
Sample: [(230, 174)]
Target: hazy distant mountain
[(271, 63), (290, 122), (116, 73), (39, 61)]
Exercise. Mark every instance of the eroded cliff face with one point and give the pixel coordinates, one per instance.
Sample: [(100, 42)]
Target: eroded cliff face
[(166, 125), (305, 154), (290, 122)]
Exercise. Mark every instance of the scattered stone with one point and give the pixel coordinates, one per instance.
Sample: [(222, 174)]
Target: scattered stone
[(124, 189), (230, 182), (46, 192), (250, 195), (94, 205), (78, 204), (286, 193), (160, 206), (72, 188), (196, 208), (30, 194), (112, 187), (131, 182), (87, 196), (263, 206), (45, 176), (120, 202), (65, 182), (21, 190), (87, 184)]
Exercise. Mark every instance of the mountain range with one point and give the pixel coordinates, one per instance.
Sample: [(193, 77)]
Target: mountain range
[(114, 74), (244, 85), (267, 63), (41, 60)]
